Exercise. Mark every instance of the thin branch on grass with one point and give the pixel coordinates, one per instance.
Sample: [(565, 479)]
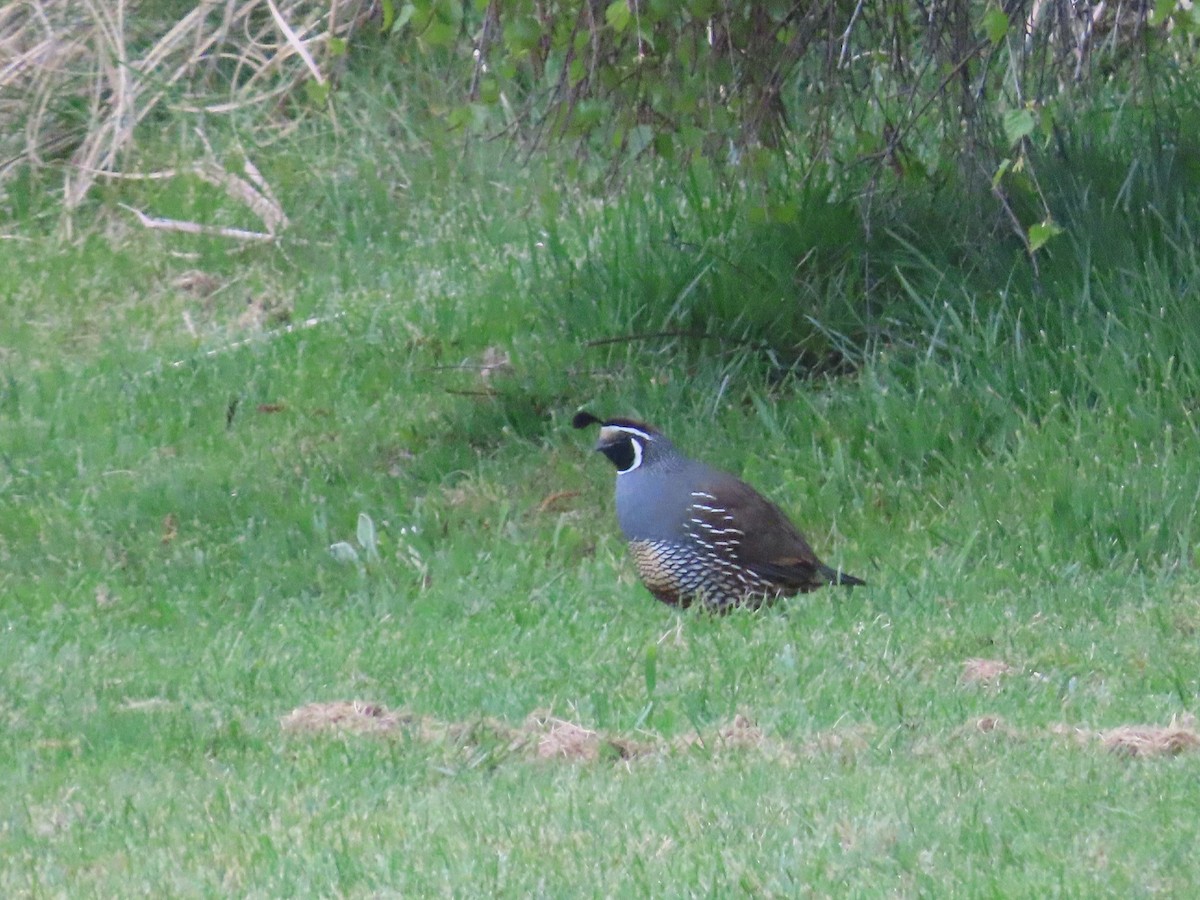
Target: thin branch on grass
[(258, 197), (160, 224)]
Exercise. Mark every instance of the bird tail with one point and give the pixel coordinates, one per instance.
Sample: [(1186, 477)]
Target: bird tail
[(837, 576)]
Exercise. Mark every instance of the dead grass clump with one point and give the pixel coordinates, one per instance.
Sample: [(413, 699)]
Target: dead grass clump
[(990, 724), (1150, 740), (987, 672), (740, 734), (549, 737), (542, 736), (1142, 741), (545, 736), (197, 284), (353, 716)]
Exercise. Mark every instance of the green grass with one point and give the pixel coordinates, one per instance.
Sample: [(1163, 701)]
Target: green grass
[(1014, 472)]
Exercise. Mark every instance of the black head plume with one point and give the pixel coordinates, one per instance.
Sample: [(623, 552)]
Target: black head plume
[(623, 441), (583, 419)]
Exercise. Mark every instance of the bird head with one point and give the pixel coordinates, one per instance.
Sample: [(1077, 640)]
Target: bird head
[(626, 442)]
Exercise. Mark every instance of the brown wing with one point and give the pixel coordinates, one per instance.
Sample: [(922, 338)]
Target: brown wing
[(761, 538)]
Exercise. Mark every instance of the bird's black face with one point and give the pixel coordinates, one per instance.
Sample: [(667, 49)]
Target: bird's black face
[(623, 447), (623, 441)]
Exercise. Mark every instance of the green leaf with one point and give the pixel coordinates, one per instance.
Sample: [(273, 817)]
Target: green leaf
[(1045, 119), (691, 137), (440, 34), (638, 139), (576, 71), (618, 16), (522, 33), (489, 90), (1018, 124), (337, 46), (387, 10), (459, 117), (995, 24), (664, 145), (407, 11), (505, 68), (588, 114), (1042, 232), (316, 92), (685, 52), (1001, 171)]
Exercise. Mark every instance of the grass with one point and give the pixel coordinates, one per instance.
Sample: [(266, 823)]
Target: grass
[(1015, 474)]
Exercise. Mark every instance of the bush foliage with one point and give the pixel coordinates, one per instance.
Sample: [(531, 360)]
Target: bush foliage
[(857, 94)]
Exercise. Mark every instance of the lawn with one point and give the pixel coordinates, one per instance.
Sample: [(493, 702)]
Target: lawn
[(309, 588)]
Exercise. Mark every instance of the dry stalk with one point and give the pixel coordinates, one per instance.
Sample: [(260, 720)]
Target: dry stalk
[(55, 54)]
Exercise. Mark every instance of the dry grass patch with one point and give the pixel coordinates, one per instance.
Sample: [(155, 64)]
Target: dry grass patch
[(544, 736), (549, 737), (352, 716), (741, 734), (990, 724), (987, 672), (1151, 740), (1143, 741), (540, 736), (58, 57)]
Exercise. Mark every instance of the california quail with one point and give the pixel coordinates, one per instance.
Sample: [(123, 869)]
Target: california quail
[(699, 534)]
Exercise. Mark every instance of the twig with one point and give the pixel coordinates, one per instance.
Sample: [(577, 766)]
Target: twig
[(846, 34), (196, 228)]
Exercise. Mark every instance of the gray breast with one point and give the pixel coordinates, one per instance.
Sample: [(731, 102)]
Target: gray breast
[(653, 502)]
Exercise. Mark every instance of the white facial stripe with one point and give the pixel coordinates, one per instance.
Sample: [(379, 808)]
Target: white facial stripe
[(637, 458), (609, 431)]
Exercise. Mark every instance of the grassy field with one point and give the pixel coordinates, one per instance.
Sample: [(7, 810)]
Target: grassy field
[(1014, 468)]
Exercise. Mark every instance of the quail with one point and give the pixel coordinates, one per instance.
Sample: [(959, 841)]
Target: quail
[(700, 535)]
